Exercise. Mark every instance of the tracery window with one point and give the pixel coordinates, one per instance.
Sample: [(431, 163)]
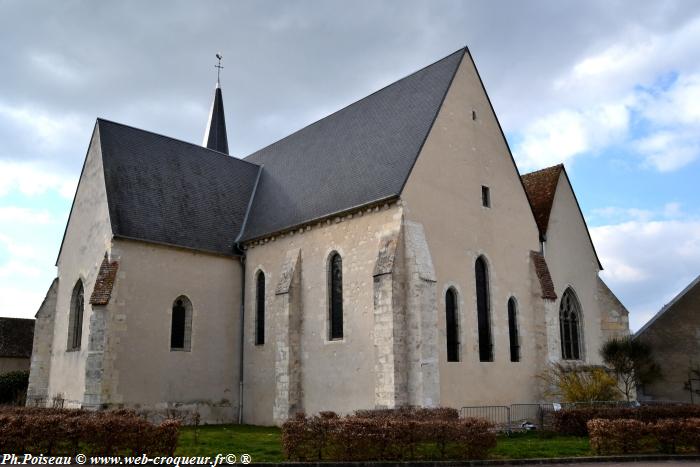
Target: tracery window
[(451, 325), (483, 311), (75, 318), (335, 298), (570, 325)]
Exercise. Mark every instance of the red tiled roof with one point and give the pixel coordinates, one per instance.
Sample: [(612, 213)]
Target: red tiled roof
[(540, 187), (104, 283), (543, 275)]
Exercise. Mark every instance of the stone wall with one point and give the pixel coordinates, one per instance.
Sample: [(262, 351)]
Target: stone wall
[(614, 318), (8, 364), (464, 151), (88, 235), (37, 391), (334, 375), (288, 343), (573, 263), (132, 333), (675, 340)]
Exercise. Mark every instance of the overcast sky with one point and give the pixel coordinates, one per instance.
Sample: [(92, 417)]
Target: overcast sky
[(610, 88)]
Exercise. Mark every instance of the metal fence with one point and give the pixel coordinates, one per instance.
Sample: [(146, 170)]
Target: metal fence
[(499, 415), (539, 415)]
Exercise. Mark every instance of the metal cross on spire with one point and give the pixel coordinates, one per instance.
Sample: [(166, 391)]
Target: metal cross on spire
[(218, 67)]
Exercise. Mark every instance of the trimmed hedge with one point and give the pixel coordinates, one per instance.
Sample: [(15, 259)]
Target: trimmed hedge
[(626, 436), (70, 431), (13, 386), (573, 421), (387, 435), (412, 413)]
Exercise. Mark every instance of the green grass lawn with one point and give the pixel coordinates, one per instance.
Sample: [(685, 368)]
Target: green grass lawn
[(264, 444), (261, 442), (536, 445)]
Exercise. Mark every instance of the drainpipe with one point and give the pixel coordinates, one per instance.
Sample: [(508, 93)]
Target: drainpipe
[(242, 342), (543, 242)]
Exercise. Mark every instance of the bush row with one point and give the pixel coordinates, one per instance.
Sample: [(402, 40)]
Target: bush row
[(573, 421), (629, 435), (387, 435), (13, 386), (411, 413), (68, 432)]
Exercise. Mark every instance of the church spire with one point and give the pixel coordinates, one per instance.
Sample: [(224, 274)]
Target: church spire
[(215, 135)]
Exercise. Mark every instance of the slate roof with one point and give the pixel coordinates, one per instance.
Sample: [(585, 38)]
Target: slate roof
[(360, 154), (16, 337), (163, 190), (104, 283)]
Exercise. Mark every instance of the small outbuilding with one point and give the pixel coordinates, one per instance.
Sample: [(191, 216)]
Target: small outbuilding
[(674, 335)]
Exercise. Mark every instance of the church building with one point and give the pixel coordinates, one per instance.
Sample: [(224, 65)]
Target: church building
[(388, 254)]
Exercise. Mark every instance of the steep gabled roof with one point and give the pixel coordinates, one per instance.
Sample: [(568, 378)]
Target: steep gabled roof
[(167, 191), (541, 187), (695, 283), (353, 157), (16, 337)]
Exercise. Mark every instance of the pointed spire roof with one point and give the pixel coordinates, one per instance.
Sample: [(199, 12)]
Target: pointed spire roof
[(215, 135)]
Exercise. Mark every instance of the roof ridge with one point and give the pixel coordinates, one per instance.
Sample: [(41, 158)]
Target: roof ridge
[(228, 156), (462, 50), (559, 166), (250, 206)]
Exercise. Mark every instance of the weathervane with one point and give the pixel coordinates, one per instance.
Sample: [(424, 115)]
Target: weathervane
[(218, 67)]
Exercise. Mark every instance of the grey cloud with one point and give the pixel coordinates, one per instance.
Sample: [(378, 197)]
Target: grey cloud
[(150, 64)]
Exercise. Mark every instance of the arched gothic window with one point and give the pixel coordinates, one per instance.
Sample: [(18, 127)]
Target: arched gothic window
[(75, 318), (260, 309), (452, 325), (181, 324), (570, 325), (335, 296), (483, 310), (513, 330)]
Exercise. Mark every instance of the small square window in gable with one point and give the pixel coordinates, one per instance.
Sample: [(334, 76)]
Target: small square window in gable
[(485, 196)]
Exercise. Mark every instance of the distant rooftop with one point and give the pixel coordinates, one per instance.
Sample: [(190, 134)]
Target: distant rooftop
[(16, 337)]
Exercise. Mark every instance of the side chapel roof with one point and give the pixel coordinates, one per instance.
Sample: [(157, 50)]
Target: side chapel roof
[(167, 191), (541, 187)]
